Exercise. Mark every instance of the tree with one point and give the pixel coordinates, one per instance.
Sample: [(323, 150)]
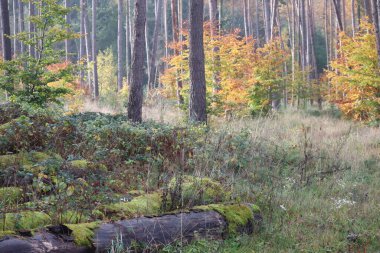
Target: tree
[(81, 40), (120, 45), (153, 54), (40, 81), (135, 96), (128, 40), (197, 106), (94, 51), (7, 53), (375, 18)]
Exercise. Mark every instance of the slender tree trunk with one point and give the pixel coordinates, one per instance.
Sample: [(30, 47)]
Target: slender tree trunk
[(120, 51), (88, 51), (267, 19), (375, 17), (197, 108), (344, 14), (21, 24), (127, 41), (214, 18), (367, 9), (353, 20), (32, 49), (66, 41), (166, 35), (338, 15), (147, 40), (273, 18), (175, 31), (257, 17), (94, 51), (135, 98), (16, 43), (246, 24), (153, 55), (6, 31), (81, 41), (1, 35)]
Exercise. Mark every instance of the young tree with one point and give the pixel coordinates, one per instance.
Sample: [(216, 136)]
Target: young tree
[(29, 79), (135, 98), (197, 106), (7, 45), (81, 40), (128, 40), (375, 18)]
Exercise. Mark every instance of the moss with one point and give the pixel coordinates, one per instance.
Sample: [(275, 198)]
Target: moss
[(6, 233), (147, 204), (27, 160), (79, 164), (135, 193), (83, 233), (10, 195), (73, 217), (255, 208), (200, 190), (25, 220), (236, 215)]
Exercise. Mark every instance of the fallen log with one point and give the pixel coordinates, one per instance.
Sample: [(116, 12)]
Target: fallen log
[(214, 222)]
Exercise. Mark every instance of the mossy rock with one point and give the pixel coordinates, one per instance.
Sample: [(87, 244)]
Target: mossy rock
[(10, 195), (7, 233), (148, 204), (83, 233), (237, 215), (200, 191), (28, 220)]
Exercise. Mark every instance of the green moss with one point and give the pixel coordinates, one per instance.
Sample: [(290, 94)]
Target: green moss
[(236, 215), (255, 208), (6, 233), (10, 195), (73, 217), (79, 164), (200, 190), (83, 233), (27, 160), (25, 220), (136, 193), (143, 205)]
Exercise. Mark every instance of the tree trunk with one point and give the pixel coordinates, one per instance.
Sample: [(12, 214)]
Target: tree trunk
[(81, 41), (128, 51), (197, 64), (245, 15), (338, 15), (120, 52), (21, 24), (135, 98), (1, 35), (353, 18), (88, 50), (257, 28), (32, 49), (153, 55), (151, 232), (175, 31), (214, 19), (94, 51), (375, 18), (267, 19), (7, 53), (273, 18), (66, 41), (16, 43), (367, 9)]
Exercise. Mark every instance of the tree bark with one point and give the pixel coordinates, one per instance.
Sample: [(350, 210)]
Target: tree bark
[(21, 24), (94, 51), (214, 20), (153, 55), (135, 98), (375, 18), (151, 232), (175, 31), (273, 18), (81, 41), (1, 35), (128, 51), (197, 64), (267, 19), (67, 22), (16, 43), (120, 52), (338, 15), (353, 18), (7, 53), (88, 50), (32, 48)]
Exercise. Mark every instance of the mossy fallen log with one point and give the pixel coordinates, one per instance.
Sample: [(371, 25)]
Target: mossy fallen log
[(207, 222)]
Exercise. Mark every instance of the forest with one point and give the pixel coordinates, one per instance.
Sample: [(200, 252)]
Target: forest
[(189, 126)]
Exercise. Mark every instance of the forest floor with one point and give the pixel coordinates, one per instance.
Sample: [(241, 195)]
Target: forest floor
[(315, 177)]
